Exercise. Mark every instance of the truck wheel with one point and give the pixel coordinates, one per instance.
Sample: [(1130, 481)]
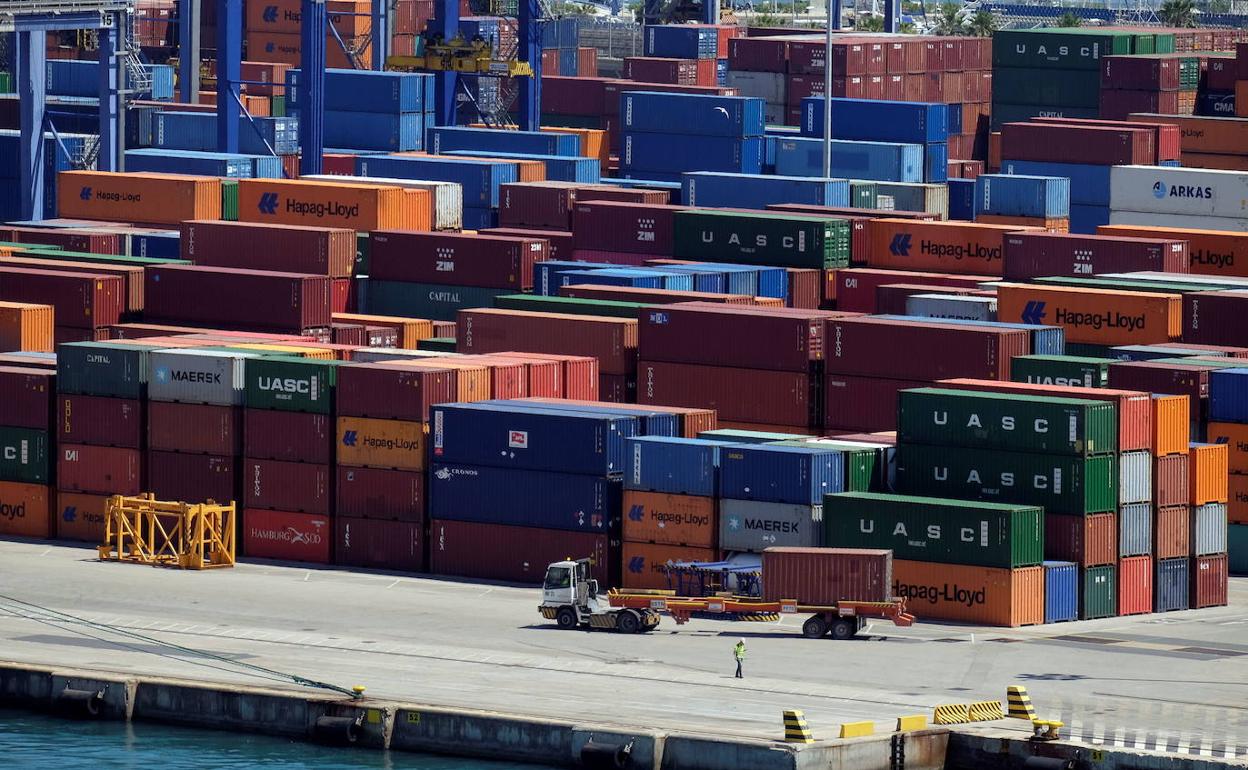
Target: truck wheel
[(628, 622), (843, 628), (814, 627), (567, 619)]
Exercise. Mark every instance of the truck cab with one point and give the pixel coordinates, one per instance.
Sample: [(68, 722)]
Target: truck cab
[(570, 598)]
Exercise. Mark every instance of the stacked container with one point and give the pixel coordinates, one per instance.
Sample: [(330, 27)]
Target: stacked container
[(667, 134), (773, 494), (27, 499), (370, 110)]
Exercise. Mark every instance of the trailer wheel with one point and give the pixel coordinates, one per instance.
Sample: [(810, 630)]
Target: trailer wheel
[(628, 622), (814, 627), (566, 619), (843, 628)]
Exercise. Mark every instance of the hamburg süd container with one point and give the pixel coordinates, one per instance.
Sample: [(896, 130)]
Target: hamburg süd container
[(1172, 584), (522, 497), (290, 384), (644, 565), (99, 470), (194, 428), (380, 493), (518, 554), (1135, 585), (1088, 541), (799, 475), (971, 594), (656, 517), (825, 576), (197, 376), (1135, 530), (375, 443), (302, 437), (285, 486), (1095, 316), (286, 302), (287, 535), (379, 544), (27, 510), (98, 420), (1208, 578), (672, 465), (1099, 598), (752, 525), (1061, 591)]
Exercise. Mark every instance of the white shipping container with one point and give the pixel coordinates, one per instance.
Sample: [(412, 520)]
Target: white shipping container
[(928, 197), (1233, 224), (768, 86), (1209, 529), (1135, 477), (448, 197), (952, 306), (197, 376), (1187, 191)]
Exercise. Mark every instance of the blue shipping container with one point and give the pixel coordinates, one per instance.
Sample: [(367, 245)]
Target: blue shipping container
[(191, 162), (935, 162), (707, 278), (479, 218), (648, 423), (1017, 195), (81, 77), (1228, 395), (705, 115), (368, 91), (198, 131), (1171, 587), (781, 474), (164, 245), (677, 153), (1089, 185), (559, 168), (546, 278), (880, 161), (677, 466), (1045, 340), (746, 191), (962, 200), (626, 276), (1085, 219), (877, 121), (953, 119), (446, 138), (480, 179), (375, 130), (1061, 591), (682, 41), (569, 62), (524, 498), (560, 33)]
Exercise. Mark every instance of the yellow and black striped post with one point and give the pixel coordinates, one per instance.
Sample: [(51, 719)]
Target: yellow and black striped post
[(795, 728), (1020, 703)]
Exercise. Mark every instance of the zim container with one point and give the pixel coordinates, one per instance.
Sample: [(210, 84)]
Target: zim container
[(100, 421), (1172, 584), (380, 493), (1209, 581), (644, 565), (1099, 598), (27, 510), (489, 261), (378, 544), (485, 551), (752, 525), (287, 535), (283, 486), (99, 470), (1061, 591), (825, 576), (1135, 585), (1032, 255), (971, 594), (656, 517)]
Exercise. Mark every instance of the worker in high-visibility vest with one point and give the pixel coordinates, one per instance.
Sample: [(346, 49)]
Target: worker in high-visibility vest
[(738, 652)]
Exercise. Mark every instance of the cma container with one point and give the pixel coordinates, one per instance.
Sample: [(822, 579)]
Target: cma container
[(1210, 252), (671, 519), (27, 510), (865, 346), (644, 565), (370, 390), (763, 238), (81, 300), (1207, 472), (98, 420), (723, 335), (534, 437), (1184, 191), (1209, 529), (374, 443), (1135, 477), (781, 474), (26, 327), (192, 478), (290, 436), (283, 486), (291, 384), (287, 535), (752, 525), (971, 594), (197, 376), (1208, 577), (1172, 585), (1096, 145), (951, 247), (1061, 591), (825, 576), (1172, 532), (737, 395), (1095, 316), (1073, 485), (24, 455), (711, 189), (99, 470), (1033, 255), (1075, 371), (1135, 530), (1135, 585), (282, 248), (516, 554), (1170, 480), (1099, 597), (337, 204), (929, 529), (635, 228), (137, 197), (733, 116), (28, 394), (194, 428), (1171, 424), (1210, 316), (681, 466), (613, 341), (79, 517), (377, 544), (380, 493), (1004, 421), (524, 498), (258, 299), (456, 258), (1088, 541)]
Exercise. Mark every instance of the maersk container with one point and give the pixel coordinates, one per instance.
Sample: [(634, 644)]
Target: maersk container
[(441, 139), (705, 115), (1023, 196), (103, 368), (1135, 529), (559, 168), (1099, 598), (763, 238), (375, 131), (649, 423), (1067, 371), (1209, 529), (886, 161), (1135, 477), (875, 120), (24, 456), (425, 300), (752, 525), (1061, 591), (536, 437), (197, 376), (679, 466), (983, 420), (781, 474), (1089, 185), (1048, 340), (1228, 395), (936, 530), (1171, 585), (708, 189), (291, 384), (952, 306), (1184, 191), (646, 153), (198, 163), (525, 498), (1061, 484), (479, 179), (363, 90)]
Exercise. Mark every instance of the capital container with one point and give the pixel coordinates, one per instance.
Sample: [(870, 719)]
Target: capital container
[(24, 455), (971, 594), (672, 519), (712, 189), (1135, 477), (376, 443), (79, 517), (332, 204), (930, 529), (1207, 472), (1172, 584), (1099, 597), (672, 465), (612, 341), (197, 376), (754, 525), (370, 390), (304, 437), (1210, 252), (379, 544), (286, 486), (1135, 529), (1075, 371), (99, 470), (1095, 316), (1170, 480), (1032, 255), (1135, 585), (194, 428), (290, 384), (456, 258), (825, 576), (258, 299), (522, 497), (27, 509), (380, 493), (865, 346), (99, 420), (137, 197), (952, 247), (644, 565), (1072, 485), (781, 474), (1209, 581), (287, 535), (1061, 591), (762, 238), (192, 478), (1004, 421), (517, 554), (28, 394), (729, 336), (264, 246), (1171, 424), (80, 299), (117, 369)]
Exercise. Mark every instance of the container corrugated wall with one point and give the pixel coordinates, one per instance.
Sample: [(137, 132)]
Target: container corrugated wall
[(1171, 424), (1208, 581), (1170, 480), (1209, 529), (827, 575), (750, 525), (1135, 530), (1172, 534), (1099, 598), (998, 597), (1061, 591), (1207, 469), (1172, 585), (1135, 585), (1135, 477)]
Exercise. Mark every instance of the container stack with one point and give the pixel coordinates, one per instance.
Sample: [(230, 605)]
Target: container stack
[(371, 110), (27, 494), (1028, 201), (667, 134), (923, 123), (1142, 84), (271, 33)]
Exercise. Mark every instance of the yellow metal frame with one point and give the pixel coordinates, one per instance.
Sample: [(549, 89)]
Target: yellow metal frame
[(460, 55), (144, 530)]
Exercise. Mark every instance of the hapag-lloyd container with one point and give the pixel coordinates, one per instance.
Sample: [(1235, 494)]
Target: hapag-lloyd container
[(79, 517), (1135, 477), (99, 470), (723, 335), (951, 247), (517, 554), (1188, 191), (197, 376), (368, 390), (825, 576), (678, 466), (194, 428), (28, 510), (380, 493), (1172, 585), (287, 535), (456, 258), (1135, 585), (737, 395), (1170, 480), (613, 341), (446, 198), (82, 300), (98, 420), (290, 384), (193, 478), (256, 246), (374, 443), (302, 437), (332, 204), (137, 197), (645, 564), (522, 497), (1135, 530), (1032, 255), (655, 517), (1211, 252), (971, 594), (1095, 316), (1061, 591), (1209, 529), (285, 486), (752, 525), (378, 544), (865, 346), (800, 475), (1209, 581)]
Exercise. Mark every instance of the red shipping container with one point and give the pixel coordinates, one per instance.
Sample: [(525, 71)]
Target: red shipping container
[(268, 301), (89, 241), (508, 379), (99, 470), (1117, 105), (617, 388), (638, 228), (300, 437), (758, 54), (281, 248), (376, 544), (80, 300), (1172, 379), (353, 335), (27, 395), (459, 259), (737, 395), (536, 204), (543, 377), (287, 536), (862, 403), (826, 576), (565, 95), (1213, 317), (613, 341), (369, 390), (99, 421), (561, 243), (1209, 581), (283, 486), (30, 365), (953, 54), (935, 50), (650, 296), (194, 428), (728, 335), (192, 478), (905, 350), (1032, 255), (805, 288), (579, 374), (1166, 136), (1089, 541), (1098, 145), (1135, 585), (514, 554), (1143, 73), (1170, 480), (1172, 533), (856, 287), (646, 69), (380, 493)]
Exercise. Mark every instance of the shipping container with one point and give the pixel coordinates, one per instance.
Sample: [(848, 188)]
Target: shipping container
[(710, 189), (289, 302), (27, 510), (456, 258), (868, 347), (1095, 316), (1210, 252), (137, 197), (332, 204), (644, 565), (1135, 585), (28, 392), (281, 248), (1135, 530), (673, 519), (1192, 192), (517, 554), (287, 536), (1170, 480), (1135, 477), (288, 436), (287, 486), (524, 498), (1209, 527), (825, 576), (612, 341), (377, 544), (1171, 424), (369, 390), (1061, 591), (980, 595), (951, 247), (732, 336), (679, 466), (799, 475), (378, 493), (1075, 371), (376, 443), (1172, 584), (194, 428), (1172, 532), (1091, 144), (1207, 471), (99, 470), (79, 517), (752, 525), (192, 478), (762, 238), (26, 327), (197, 376), (1208, 576), (1033, 255), (1099, 597), (80, 299), (99, 420), (290, 384)]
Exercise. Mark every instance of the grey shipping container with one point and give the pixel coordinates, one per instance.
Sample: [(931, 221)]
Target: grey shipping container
[(1135, 529), (197, 376), (1209, 529), (1135, 477), (750, 525)]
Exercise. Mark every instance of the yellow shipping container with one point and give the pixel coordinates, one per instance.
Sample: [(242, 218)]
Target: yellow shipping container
[(373, 443)]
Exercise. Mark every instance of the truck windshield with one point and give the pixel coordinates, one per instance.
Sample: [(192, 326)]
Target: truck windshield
[(558, 577)]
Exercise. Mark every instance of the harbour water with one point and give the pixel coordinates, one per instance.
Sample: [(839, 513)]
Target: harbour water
[(37, 742)]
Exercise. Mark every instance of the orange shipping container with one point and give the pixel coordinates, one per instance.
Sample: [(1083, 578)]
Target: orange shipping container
[(1094, 316), (26, 327), (285, 48), (644, 562), (472, 381), (949, 247), (1135, 585), (80, 517), (1234, 437), (1228, 136), (1207, 482), (982, 595), (1054, 225), (1172, 534), (1214, 161), (25, 510), (411, 330), (332, 204), (350, 18), (1171, 424), (1237, 498), (1213, 252), (655, 517), (167, 199), (371, 443)]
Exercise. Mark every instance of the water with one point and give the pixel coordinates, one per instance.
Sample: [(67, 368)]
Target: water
[(33, 741)]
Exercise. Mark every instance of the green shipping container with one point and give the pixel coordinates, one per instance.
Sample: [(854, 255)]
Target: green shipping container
[(863, 195), (1067, 371), (758, 238), (1119, 284), (362, 252), (1057, 483), (277, 106), (1048, 87), (1164, 43), (118, 370), (934, 530), (24, 455), (1237, 548), (1056, 48), (6, 83), (291, 384), (961, 418), (569, 305), (860, 463), (437, 344), (229, 200), (1143, 43), (1099, 597)]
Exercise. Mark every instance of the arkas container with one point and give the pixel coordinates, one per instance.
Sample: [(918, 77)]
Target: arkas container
[(825, 576), (517, 554), (971, 594), (378, 544), (1061, 591), (655, 517)]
